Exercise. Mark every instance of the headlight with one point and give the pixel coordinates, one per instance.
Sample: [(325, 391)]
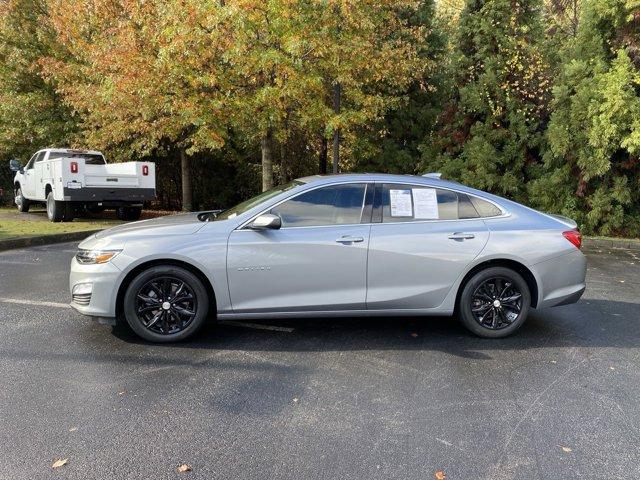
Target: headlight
[(87, 257)]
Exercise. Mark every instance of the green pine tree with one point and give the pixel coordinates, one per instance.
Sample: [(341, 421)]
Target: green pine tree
[(592, 165), (490, 134)]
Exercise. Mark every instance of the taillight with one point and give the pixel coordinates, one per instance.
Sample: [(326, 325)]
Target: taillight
[(74, 167), (574, 237), (145, 170)]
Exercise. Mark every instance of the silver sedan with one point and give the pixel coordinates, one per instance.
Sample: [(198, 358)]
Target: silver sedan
[(362, 244)]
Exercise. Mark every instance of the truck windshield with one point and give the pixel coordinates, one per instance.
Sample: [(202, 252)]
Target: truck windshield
[(89, 158), (257, 200)]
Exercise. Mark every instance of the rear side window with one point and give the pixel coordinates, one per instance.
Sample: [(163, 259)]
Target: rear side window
[(484, 208), (406, 203), (89, 158), (331, 205)]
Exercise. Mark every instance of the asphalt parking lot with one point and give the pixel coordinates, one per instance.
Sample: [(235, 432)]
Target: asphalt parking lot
[(339, 399)]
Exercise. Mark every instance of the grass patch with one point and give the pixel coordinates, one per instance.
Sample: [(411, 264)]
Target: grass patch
[(36, 224)]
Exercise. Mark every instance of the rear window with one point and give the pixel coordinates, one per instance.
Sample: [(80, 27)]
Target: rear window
[(484, 208), (89, 158), (406, 203)]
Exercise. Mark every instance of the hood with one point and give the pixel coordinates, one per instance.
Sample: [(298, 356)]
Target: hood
[(182, 224)]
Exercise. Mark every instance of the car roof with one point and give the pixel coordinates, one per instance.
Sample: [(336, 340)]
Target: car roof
[(384, 177), (70, 150)]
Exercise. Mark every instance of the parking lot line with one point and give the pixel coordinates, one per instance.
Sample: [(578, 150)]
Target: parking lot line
[(34, 302), (255, 326)]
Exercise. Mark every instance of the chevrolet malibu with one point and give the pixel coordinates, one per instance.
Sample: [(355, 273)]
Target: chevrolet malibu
[(344, 245)]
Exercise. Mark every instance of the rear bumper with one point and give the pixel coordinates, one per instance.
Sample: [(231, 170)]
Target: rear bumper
[(561, 280), (109, 196)]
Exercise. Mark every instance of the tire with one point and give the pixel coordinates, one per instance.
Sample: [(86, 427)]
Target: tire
[(128, 213), (494, 302), (22, 203), (55, 209), (161, 320), (69, 212)]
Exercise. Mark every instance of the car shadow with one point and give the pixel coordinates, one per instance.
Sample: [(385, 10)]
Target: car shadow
[(589, 323)]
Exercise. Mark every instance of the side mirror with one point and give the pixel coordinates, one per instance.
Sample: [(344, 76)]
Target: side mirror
[(266, 221), (15, 166)]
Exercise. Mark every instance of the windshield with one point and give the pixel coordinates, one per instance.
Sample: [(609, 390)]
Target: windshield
[(257, 200)]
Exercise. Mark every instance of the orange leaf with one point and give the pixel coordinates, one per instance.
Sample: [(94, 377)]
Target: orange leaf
[(184, 468), (61, 462), (440, 475)]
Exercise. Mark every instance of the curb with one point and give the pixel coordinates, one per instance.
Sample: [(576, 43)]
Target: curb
[(23, 242), (595, 242)]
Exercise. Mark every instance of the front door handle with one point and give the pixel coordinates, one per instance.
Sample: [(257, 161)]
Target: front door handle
[(350, 239), (461, 236)]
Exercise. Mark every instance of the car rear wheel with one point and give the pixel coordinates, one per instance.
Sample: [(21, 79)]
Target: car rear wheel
[(56, 211), (166, 304), (21, 202), (494, 302)]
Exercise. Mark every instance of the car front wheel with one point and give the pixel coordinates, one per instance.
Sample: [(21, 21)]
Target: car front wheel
[(494, 302), (166, 304), (21, 202)]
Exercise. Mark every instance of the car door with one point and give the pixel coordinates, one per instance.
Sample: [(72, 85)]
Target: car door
[(29, 187), (316, 261), (422, 240)]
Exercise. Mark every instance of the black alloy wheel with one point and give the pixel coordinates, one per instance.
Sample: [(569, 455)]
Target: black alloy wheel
[(166, 303), (494, 302)]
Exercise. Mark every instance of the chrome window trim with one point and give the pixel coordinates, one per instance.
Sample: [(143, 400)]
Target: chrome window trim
[(505, 213)]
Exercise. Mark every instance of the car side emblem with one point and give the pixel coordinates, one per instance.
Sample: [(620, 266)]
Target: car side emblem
[(254, 268)]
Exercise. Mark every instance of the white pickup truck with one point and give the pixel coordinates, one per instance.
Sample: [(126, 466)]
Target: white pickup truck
[(69, 181)]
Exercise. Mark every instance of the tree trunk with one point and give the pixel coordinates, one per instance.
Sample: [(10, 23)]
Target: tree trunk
[(324, 150), (187, 193), (336, 134), (267, 161)]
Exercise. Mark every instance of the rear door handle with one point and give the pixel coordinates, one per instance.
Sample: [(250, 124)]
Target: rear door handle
[(461, 236), (350, 239)]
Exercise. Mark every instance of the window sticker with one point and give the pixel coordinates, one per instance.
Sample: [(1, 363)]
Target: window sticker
[(401, 203), (426, 203)]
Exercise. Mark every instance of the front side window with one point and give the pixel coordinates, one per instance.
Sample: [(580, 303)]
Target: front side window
[(331, 205), (36, 158), (407, 203)]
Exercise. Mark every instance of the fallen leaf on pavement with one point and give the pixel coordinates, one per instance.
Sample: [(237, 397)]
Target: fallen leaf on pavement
[(184, 468), (565, 449), (295, 400), (122, 392), (73, 429), (61, 462), (414, 335), (440, 475)]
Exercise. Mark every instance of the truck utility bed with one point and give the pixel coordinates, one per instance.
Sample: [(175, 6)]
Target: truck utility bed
[(70, 181)]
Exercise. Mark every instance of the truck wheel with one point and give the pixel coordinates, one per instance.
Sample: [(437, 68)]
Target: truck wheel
[(21, 202), (69, 212), (128, 213), (55, 209)]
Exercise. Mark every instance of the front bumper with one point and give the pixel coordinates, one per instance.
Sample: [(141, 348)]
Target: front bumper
[(104, 279)]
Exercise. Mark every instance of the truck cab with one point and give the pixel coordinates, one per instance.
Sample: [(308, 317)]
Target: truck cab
[(69, 181)]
